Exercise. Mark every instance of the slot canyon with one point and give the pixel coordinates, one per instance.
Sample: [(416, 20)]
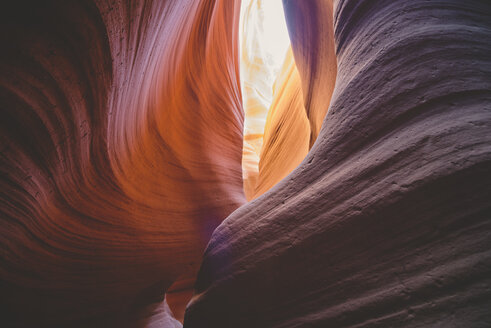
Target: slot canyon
[(159, 169)]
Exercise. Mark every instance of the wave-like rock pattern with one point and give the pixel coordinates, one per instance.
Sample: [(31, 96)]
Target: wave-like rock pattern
[(121, 143), (286, 131), (386, 223)]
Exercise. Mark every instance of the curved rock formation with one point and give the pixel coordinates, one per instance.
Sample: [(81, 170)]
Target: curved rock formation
[(386, 223), (310, 24), (121, 144), (286, 131), (120, 153)]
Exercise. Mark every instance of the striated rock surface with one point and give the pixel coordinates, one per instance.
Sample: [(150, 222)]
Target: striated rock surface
[(386, 223), (286, 131), (121, 144)]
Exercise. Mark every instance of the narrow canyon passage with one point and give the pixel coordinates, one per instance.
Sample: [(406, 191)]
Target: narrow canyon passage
[(135, 176), (283, 114), (264, 43)]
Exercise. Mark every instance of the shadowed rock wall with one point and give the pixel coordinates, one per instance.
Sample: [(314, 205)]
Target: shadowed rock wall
[(310, 25), (386, 223)]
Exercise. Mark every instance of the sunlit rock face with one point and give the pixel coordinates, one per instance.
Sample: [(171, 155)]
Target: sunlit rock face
[(286, 130), (386, 223), (121, 144)]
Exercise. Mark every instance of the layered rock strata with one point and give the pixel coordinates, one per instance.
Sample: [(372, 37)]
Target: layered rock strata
[(121, 143)]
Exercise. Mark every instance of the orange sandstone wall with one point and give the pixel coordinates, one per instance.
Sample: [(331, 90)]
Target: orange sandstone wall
[(286, 132), (121, 143)]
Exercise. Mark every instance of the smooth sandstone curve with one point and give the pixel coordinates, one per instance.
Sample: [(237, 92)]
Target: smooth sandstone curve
[(286, 132), (310, 25), (121, 145)]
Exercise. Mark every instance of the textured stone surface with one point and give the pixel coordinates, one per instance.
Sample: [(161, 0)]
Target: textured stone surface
[(121, 142), (386, 223)]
